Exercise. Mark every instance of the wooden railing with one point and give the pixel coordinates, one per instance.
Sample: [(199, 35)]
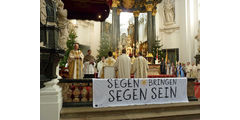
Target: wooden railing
[(78, 92)]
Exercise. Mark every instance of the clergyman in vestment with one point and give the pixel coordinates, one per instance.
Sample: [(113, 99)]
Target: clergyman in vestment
[(123, 65), (108, 63), (89, 65), (140, 67), (75, 63), (100, 66)]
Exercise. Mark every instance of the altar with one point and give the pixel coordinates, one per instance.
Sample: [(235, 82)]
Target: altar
[(154, 69), (153, 72)]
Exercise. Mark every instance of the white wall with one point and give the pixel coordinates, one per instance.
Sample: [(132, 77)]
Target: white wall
[(88, 33), (95, 43), (186, 17)]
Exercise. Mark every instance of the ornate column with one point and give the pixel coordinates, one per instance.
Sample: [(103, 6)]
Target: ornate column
[(118, 26), (102, 27), (149, 8), (136, 14), (154, 24), (114, 23)]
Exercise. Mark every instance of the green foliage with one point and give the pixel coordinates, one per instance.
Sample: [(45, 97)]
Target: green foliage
[(104, 47), (70, 46)]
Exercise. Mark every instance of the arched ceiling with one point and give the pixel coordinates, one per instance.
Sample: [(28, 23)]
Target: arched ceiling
[(97, 10)]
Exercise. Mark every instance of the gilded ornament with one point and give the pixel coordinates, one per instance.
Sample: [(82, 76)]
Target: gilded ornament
[(154, 12), (115, 3), (119, 11), (128, 3), (84, 93), (76, 94), (149, 7), (136, 13)]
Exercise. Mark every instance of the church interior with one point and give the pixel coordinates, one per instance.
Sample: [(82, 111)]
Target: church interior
[(84, 33), (119, 59)]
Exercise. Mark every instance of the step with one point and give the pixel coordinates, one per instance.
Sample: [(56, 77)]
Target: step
[(147, 115), (131, 112)]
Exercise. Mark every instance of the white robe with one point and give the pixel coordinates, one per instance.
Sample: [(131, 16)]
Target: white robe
[(188, 70), (140, 67), (88, 68), (99, 68), (198, 72), (194, 71), (123, 66), (108, 68)]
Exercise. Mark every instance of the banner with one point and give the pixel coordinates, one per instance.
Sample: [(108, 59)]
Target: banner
[(138, 91)]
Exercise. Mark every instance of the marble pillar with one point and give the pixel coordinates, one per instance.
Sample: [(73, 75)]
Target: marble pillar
[(154, 25), (114, 27), (149, 8), (136, 31), (114, 24), (118, 27)]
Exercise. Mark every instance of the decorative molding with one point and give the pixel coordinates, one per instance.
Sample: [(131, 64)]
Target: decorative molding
[(170, 29), (149, 7), (154, 12), (43, 12), (128, 3), (115, 3), (136, 13), (51, 24), (119, 11)]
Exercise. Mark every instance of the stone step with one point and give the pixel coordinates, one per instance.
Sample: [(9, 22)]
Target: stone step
[(183, 111)]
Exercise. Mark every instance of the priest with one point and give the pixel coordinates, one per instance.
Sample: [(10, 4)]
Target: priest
[(89, 65), (100, 66), (109, 62), (75, 63), (123, 65), (140, 67)]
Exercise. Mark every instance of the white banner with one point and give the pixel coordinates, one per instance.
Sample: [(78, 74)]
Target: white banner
[(138, 91)]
